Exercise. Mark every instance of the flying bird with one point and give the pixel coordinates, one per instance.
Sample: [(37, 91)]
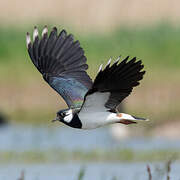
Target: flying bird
[(91, 104)]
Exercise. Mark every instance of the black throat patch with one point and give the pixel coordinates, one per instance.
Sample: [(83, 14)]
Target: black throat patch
[(75, 122)]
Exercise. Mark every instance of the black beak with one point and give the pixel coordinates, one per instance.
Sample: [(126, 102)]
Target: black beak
[(56, 119)]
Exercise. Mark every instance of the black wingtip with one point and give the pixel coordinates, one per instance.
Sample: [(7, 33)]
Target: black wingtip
[(116, 61), (140, 61), (134, 58), (54, 29), (63, 32), (143, 72), (127, 58)]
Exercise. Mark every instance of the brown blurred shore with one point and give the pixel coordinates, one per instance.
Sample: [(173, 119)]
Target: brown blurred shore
[(91, 15)]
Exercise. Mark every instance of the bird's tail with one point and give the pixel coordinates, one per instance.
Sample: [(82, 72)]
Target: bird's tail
[(129, 119)]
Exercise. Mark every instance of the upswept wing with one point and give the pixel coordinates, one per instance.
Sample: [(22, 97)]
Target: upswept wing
[(115, 83), (62, 63)]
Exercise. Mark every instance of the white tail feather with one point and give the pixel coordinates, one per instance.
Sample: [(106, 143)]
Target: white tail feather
[(124, 116)]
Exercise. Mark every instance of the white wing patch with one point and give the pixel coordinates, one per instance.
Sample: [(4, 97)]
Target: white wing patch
[(28, 39), (100, 68), (95, 102), (35, 33), (44, 31), (109, 62), (94, 113)]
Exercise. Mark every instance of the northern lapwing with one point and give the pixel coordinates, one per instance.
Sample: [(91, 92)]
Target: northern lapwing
[(91, 104)]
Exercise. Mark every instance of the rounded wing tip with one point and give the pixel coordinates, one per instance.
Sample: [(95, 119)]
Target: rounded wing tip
[(54, 28), (44, 31), (28, 39), (63, 32), (143, 72), (35, 33)]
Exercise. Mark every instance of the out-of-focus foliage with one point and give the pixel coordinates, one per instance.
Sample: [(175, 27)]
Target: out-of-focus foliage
[(157, 46)]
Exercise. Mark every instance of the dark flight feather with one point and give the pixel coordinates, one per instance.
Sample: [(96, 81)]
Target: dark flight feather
[(118, 79), (62, 63)]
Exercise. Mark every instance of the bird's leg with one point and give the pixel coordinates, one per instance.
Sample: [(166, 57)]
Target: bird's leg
[(127, 122)]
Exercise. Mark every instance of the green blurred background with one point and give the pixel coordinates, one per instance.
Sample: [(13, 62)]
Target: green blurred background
[(149, 30)]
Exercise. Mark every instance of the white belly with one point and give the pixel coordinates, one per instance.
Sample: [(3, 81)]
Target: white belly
[(96, 119), (94, 113)]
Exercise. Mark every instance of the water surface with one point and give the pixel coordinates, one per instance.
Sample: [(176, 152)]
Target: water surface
[(21, 138)]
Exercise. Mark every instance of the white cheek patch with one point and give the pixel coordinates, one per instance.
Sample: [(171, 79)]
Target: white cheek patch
[(68, 117)]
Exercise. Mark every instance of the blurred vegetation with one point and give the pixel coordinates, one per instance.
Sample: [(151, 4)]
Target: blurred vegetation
[(157, 46), (61, 155), (81, 174), (161, 171)]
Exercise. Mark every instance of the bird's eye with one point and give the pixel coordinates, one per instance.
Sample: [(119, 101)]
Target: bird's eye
[(63, 114)]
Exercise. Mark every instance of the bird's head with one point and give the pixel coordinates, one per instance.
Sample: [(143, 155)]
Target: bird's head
[(64, 116)]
